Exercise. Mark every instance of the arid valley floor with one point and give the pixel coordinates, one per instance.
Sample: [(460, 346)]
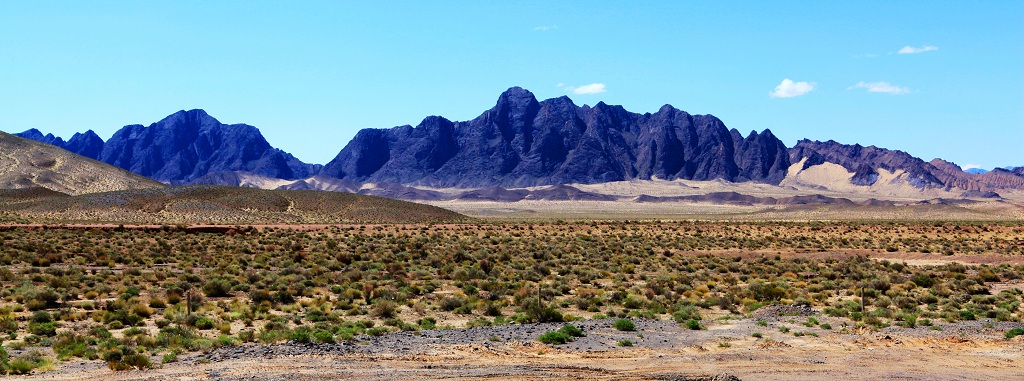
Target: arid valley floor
[(742, 299)]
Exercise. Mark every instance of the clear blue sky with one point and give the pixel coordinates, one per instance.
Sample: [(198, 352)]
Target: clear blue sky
[(310, 74)]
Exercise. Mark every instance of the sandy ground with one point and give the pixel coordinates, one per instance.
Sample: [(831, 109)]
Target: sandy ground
[(662, 351)]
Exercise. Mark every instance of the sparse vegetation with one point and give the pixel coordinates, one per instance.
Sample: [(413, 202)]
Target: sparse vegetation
[(118, 293)]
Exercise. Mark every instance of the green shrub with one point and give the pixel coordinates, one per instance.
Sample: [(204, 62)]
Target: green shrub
[(624, 325), (301, 335), (41, 317), (967, 315), (693, 324), (554, 337), (42, 329), (4, 357), (427, 323), (1014, 332), (169, 358), (624, 343), (20, 366), (451, 303), (8, 325), (247, 336), (70, 344), (217, 288), (572, 331), (548, 315), (384, 308), (324, 337), (129, 361), (686, 313), (204, 323)]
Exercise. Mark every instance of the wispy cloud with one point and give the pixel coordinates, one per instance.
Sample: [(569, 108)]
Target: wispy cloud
[(545, 28), (593, 88), (789, 89), (912, 50), (971, 166), (880, 87)]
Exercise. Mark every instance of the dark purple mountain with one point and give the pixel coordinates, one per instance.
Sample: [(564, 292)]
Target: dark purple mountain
[(185, 146), (522, 142), (87, 144)]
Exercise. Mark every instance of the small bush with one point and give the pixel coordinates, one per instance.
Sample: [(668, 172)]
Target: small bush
[(20, 366), (204, 323), (42, 329), (169, 358), (4, 356), (300, 335), (967, 315), (693, 324), (686, 313), (624, 343), (1014, 333), (217, 288), (324, 337), (384, 309), (624, 325), (427, 323), (572, 331), (247, 336), (554, 337), (549, 315), (69, 345)]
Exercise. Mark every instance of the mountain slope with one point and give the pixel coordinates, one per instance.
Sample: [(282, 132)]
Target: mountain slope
[(865, 162), (523, 142), (204, 204), (183, 147), (26, 163)]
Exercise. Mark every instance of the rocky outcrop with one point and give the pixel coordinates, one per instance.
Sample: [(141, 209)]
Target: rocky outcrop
[(183, 147), (86, 144), (865, 162), (523, 142)]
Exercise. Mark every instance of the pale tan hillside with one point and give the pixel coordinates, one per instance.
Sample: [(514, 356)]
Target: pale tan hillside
[(26, 163)]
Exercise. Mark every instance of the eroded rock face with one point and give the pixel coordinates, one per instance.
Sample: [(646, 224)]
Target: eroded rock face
[(525, 142), (864, 162), (183, 147), (86, 144)]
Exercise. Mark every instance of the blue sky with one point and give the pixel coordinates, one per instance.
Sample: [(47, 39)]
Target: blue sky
[(310, 74)]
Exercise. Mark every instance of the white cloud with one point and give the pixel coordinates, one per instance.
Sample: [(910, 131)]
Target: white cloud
[(880, 87), (789, 89), (971, 166), (593, 88), (912, 50), (545, 28)]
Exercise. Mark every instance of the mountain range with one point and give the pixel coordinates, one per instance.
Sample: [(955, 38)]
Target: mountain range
[(182, 147), (520, 142)]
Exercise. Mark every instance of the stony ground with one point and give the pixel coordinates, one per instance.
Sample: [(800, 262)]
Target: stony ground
[(788, 349)]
